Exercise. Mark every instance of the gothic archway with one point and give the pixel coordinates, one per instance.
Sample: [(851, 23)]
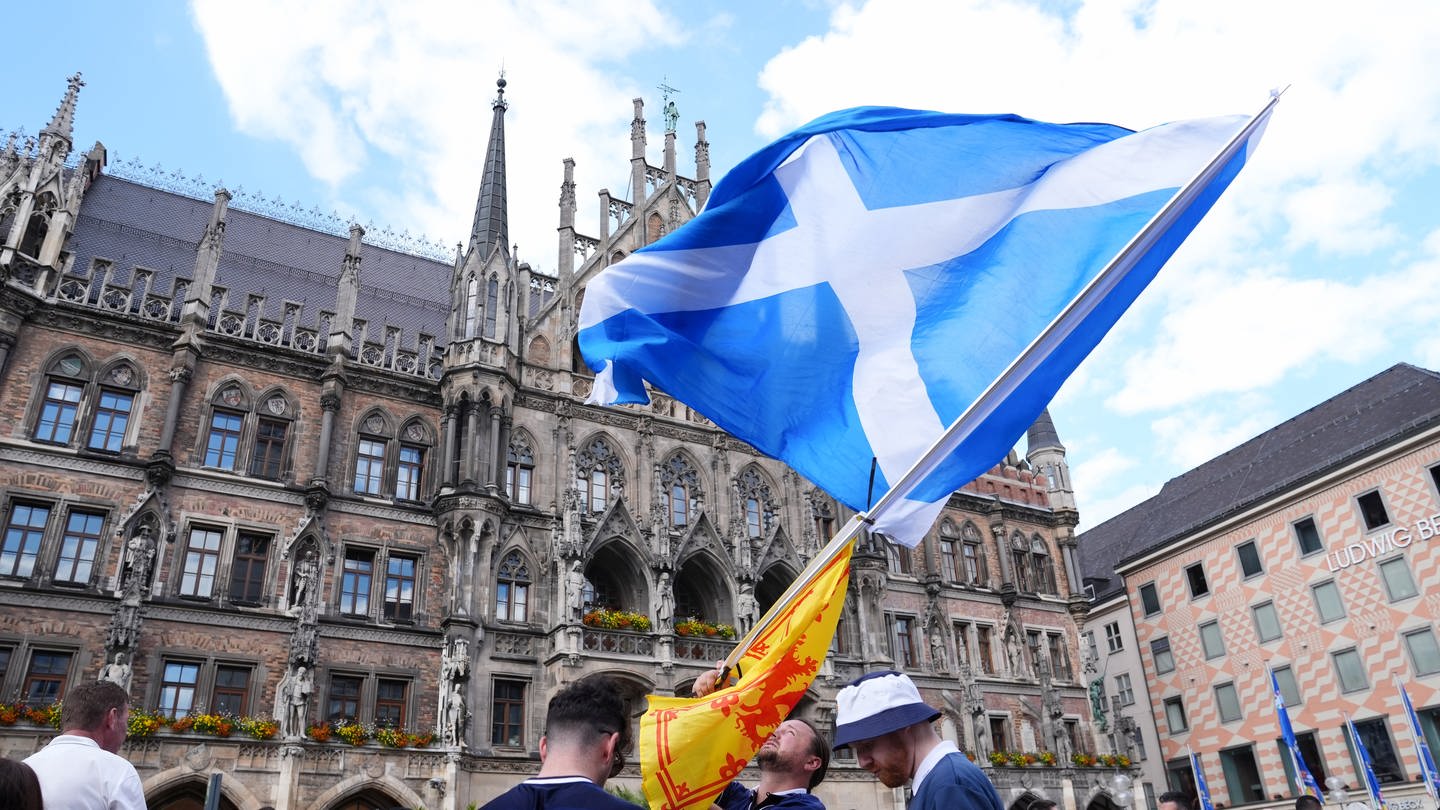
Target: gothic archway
[(701, 590), (613, 579)]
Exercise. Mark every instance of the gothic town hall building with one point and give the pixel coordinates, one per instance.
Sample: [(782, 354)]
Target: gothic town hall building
[(251, 468)]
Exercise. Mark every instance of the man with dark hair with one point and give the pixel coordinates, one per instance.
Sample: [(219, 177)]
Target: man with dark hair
[(1042, 804), (882, 717), (586, 732), (793, 761), (1307, 802), (81, 769), (1174, 800)]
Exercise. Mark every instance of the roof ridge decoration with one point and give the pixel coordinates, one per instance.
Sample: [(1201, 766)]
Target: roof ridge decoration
[(196, 187)]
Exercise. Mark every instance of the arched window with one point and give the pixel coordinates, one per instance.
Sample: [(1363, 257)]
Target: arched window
[(757, 502), (950, 569), (598, 470), (391, 464), (823, 514), (680, 486), (512, 589), (472, 306), (99, 409), (972, 551), (492, 305), (1020, 556), (1042, 565), (519, 469), (897, 558)]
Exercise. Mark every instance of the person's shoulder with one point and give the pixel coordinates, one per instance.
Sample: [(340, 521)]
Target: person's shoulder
[(956, 779), (517, 797), (801, 801)]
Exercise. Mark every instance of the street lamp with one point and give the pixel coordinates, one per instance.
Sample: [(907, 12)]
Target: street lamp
[(1120, 784)]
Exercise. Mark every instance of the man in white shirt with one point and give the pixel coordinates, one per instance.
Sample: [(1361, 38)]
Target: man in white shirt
[(81, 769)]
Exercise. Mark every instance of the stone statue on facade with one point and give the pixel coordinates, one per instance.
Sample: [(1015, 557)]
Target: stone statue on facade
[(975, 705), (453, 715), (747, 610), (665, 610), (139, 553), (455, 662), (306, 571), (575, 590), (292, 701), (117, 671)]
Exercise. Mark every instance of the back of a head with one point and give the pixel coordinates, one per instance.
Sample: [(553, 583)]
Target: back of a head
[(19, 786), (1307, 802), (86, 705), (1175, 797), (1042, 804), (819, 747), (583, 712)]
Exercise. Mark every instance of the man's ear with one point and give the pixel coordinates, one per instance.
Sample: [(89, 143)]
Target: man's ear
[(544, 748), (612, 740)]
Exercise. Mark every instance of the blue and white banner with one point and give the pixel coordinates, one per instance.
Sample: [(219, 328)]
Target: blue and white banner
[(1367, 771), (1428, 772), (1202, 790), (1308, 784), (856, 286)]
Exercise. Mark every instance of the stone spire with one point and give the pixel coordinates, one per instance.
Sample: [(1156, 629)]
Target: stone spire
[(1047, 455), (491, 222), (62, 125)]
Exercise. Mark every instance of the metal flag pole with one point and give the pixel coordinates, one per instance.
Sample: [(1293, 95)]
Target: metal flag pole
[(1006, 384)]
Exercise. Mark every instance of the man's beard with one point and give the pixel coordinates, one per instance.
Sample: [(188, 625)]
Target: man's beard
[(768, 757)]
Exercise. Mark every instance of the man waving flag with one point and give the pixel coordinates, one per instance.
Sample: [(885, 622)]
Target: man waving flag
[(856, 286)]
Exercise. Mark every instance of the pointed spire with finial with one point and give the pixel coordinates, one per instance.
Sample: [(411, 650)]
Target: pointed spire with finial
[(62, 125), (491, 227)]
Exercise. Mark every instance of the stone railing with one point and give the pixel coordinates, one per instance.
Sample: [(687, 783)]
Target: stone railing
[(616, 642)]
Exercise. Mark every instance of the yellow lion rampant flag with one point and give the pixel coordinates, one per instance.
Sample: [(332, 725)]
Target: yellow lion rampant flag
[(691, 748)]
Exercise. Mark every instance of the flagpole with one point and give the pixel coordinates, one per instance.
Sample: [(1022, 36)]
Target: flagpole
[(1417, 737), (1019, 369)]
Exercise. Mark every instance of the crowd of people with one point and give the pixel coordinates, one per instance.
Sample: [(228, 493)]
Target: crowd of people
[(880, 716)]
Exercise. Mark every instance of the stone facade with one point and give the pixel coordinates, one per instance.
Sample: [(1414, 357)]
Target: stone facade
[(253, 467)]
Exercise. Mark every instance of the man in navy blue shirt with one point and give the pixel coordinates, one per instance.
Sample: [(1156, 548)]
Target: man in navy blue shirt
[(586, 733), (792, 762)]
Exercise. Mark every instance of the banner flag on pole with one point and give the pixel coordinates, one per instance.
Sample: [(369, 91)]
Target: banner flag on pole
[(856, 286), (1430, 774), (682, 740), (1307, 783), (1377, 799), (1201, 789)]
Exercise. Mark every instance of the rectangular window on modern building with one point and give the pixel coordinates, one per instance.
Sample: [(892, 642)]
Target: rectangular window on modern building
[(1242, 774), (1309, 751), (1327, 601), (1160, 652), (1227, 702), (1211, 640), (1372, 510), (1374, 734), (1114, 642), (1350, 670), (1124, 690), (1289, 689), (1249, 556), (1307, 534), (1175, 715), (1195, 577), (1395, 573), (1424, 654), (1149, 599), (1267, 622), (507, 714)]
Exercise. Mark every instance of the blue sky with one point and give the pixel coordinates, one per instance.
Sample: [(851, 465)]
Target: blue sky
[(1319, 268)]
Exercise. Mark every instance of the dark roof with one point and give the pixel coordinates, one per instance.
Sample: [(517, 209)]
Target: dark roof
[(134, 225), (1386, 408)]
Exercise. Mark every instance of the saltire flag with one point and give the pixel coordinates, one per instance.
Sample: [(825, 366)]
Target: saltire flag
[(1377, 799), (1422, 747), (1201, 789), (854, 287), (1308, 785), (683, 740)]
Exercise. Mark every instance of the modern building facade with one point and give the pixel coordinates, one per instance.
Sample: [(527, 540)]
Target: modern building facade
[(254, 468), (1309, 551)]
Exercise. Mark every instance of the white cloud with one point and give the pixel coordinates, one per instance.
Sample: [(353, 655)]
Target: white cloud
[(353, 86)]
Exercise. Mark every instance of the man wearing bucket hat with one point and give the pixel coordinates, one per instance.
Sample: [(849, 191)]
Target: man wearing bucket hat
[(882, 717)]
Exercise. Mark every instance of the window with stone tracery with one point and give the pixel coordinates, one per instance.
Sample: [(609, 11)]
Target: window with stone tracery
[(598, 470), (519, 469), (758, 503), (680, 486), (512, 589)]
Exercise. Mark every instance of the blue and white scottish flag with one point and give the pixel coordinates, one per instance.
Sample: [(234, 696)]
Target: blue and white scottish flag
[(1202, 790), (1308, 784), (1428, 771), (856, 286), (1372, 784)]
